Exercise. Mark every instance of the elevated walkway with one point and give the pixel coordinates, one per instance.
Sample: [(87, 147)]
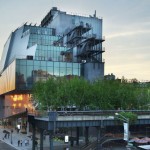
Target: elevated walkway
[(53, 120)]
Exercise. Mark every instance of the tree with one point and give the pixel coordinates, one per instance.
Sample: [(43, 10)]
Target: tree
[(99, 95), (45, 93), (128, 115)]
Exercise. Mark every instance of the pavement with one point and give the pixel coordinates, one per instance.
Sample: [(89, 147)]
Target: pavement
[(13, 142), (15, 137), (4, 146)]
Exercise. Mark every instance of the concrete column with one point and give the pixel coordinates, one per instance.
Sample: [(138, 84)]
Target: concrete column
[(33, 137), (86, 135), (99, 147), (27, 130), (71, 138), (2, 111), (51, 140), (77, 136), (21, 124), (41, 139)]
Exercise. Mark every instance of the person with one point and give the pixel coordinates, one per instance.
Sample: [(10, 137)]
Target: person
[(44, 137), (8, 134), (4, 124), (17, 130), (38, 141), (18, 142), (36, 144), (25, 142), (5, 135), (21, 142)]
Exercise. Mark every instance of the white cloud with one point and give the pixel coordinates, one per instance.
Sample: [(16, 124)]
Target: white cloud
[(129, 33)]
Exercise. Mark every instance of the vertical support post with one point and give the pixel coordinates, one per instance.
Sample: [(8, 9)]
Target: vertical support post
[(128, 133), (41, 139), (21, 124), (33, 137), (126, 127), (11, 135), (51, 140), (27, 129), (99, 146), (86, 135), (77, 136)]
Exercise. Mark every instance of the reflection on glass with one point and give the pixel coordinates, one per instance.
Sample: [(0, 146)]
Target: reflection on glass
[(26, 75)]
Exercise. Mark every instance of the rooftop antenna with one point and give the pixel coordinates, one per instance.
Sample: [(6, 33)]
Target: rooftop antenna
[(95, 13)]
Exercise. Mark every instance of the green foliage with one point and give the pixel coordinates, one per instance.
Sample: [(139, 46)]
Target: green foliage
[(132, 117), (98, 95), (45, 93)]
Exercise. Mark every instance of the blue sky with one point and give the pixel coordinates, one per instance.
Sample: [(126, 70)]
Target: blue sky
[(126, 27)]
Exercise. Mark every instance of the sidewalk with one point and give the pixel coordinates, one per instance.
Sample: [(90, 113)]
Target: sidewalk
[(58, 145), (15, 137)]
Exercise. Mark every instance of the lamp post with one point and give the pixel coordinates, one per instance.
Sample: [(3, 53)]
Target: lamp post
[(11, 136), (126, 126)]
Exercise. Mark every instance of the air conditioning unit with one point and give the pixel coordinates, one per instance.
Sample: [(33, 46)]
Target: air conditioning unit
[(29, 57)]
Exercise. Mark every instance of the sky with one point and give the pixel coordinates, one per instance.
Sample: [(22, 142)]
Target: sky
[(126, 27)]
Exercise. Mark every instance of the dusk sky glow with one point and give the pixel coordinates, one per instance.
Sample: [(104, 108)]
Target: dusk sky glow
[(126, 27)]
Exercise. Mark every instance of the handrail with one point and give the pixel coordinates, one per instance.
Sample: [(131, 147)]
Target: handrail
[(89, 113)]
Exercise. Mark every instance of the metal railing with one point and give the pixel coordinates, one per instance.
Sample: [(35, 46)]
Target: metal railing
[(89, 113)]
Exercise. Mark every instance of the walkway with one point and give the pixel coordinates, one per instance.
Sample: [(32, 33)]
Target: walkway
[(4, 146), (59, 145), (15, 137)]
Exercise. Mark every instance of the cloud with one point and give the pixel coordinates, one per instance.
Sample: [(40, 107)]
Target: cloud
[(129, 33)]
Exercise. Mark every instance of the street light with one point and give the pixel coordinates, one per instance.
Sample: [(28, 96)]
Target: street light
[(11, 136), (126, 126)]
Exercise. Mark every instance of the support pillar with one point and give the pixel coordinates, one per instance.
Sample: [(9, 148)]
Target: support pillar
[(41, 139), (33, 137), (99, 146), (77, 136), (86, 135), (51, 140), (71, 139), (27, 129), (21, 125)]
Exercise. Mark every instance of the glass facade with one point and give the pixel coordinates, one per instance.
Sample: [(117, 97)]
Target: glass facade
[(38, 30), (39, 35), (30, 71), (47, 47), (47, 53), (50, 53)]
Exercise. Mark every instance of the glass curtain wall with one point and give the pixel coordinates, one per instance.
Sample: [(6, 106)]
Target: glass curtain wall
[(30, 71)]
